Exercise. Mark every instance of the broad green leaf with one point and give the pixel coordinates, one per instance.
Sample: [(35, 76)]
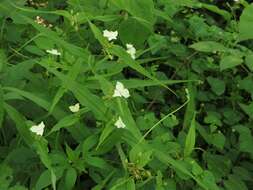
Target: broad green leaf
[(140, 155), (5, 176), (123, 183), (190, 138), (230, 61), (208, 179), (133, 32), (217, 85), (234, 183), (245, 139), (143, 9), (218, 140), (249, 61), (244, 173), (208, 46), (248, 109), (246, 24)]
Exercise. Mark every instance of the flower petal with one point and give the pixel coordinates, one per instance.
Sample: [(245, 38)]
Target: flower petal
[(131, 50), (119, 123), (110, 35), (38, 129), (53, 52), (74, 108)]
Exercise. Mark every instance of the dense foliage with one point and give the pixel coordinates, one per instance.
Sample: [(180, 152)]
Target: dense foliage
[(126, 94)]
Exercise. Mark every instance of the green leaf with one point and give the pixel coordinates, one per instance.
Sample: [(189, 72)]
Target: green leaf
[(64, 122), (44, 180), (82, 94), (70, 178), (246, 24), (234, 183), (218, 140), (18, 187), (190, 139), (3, 60), (39, 101), (132, 28), (142, 9), (245, 139), (108, 129), (230, 61), (249, 61), (41, 148), (209, 47), (217, 85), (248, 109), (217, 10), (5, 176), (21, 126), (140, 156)]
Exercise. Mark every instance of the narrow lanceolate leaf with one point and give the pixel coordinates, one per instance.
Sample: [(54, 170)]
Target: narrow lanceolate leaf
[(70, 178), (37, 100), (19, 121), (41, 148), (208, 46), (190, 109), (65, 122), (190, 139)]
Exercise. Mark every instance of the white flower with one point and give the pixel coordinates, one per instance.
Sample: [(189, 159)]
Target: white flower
[(74, 108), (131, 50), (110, 35), (53, 52), (38, 129), (119, 123), (121, 91)]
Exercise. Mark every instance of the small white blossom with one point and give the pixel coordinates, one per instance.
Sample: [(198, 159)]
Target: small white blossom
[(53, 52), (38, 129), (119, 123), (74, 108), (121, 91), (131, 50), (110, 35)]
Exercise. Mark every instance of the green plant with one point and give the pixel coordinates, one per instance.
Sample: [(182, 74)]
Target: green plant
[(126, 94)]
